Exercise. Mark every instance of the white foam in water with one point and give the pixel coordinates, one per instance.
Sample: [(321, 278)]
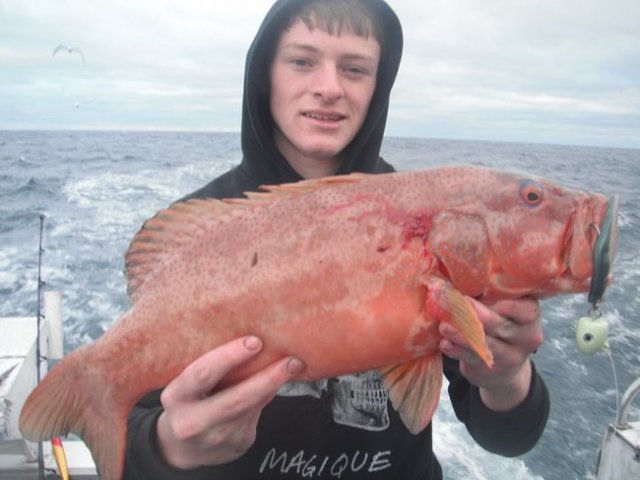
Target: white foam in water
[(15, 282), (121, 194), (113, 182), (9, 274), (462, 458)]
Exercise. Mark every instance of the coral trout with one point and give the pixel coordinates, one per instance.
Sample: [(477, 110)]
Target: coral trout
[(347, 273)]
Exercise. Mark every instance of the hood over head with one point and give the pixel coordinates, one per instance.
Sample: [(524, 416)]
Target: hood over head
[(261, 158)]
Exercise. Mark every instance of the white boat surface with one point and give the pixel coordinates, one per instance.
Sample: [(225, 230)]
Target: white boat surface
[(620, 454), (19, 458)]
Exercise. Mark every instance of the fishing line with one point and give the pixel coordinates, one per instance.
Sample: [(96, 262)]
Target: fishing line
[(615, 379)]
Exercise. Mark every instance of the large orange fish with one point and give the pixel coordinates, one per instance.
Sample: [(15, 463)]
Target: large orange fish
[(347, 273)]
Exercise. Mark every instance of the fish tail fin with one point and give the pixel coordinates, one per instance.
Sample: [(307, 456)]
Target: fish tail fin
[(66, 401), (448, 304), (414, 389)]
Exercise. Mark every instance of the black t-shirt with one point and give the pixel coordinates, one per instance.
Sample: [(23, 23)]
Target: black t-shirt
[(344, 428)]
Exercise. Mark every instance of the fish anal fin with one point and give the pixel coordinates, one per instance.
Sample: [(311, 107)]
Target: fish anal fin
[(445, 303), (414, 389)]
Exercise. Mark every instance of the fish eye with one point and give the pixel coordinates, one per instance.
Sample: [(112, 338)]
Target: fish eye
[(531, 192)]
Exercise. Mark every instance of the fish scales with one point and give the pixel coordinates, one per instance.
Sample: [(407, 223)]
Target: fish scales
[(346, 273)]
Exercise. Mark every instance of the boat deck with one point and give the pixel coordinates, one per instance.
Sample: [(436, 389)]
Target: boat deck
[(18, 377)]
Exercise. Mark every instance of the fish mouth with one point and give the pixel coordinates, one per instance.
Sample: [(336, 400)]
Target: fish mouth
[(604, 251)]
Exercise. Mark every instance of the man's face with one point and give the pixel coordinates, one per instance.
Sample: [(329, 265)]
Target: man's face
[(321, 87)]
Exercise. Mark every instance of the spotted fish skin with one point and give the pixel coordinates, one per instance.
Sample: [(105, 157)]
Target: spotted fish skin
[(347, 273)]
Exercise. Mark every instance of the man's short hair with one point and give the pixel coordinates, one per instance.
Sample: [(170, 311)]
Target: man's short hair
[(337, 16)]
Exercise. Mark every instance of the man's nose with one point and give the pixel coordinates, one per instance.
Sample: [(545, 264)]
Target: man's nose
[(328, 84)]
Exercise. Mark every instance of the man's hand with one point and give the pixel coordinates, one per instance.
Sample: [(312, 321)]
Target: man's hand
[(197, 428), (513, 331)]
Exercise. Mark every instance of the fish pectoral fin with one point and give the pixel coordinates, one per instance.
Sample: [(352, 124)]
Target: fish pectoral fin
[(445, 303), (414, 389)]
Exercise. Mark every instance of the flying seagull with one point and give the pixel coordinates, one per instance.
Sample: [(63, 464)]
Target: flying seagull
[(70, 50), (78, 103)]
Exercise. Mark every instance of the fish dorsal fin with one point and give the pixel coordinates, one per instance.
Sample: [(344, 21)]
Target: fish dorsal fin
[(271, 193), (163, 234), (414, 389), (305, 186), (183, 223)]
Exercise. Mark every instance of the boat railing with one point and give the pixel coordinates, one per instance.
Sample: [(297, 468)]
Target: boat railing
[(625, 404)]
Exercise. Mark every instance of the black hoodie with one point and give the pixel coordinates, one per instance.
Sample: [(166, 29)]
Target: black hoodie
[(341, 428), (262, 163)]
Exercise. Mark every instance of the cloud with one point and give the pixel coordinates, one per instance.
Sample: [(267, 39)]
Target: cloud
[(530, 63), (538, 70)]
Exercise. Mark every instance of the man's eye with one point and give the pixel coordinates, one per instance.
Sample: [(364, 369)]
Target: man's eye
[(300, 62), (355, 70)]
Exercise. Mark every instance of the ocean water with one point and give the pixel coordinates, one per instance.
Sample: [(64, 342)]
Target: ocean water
[(96, 188)]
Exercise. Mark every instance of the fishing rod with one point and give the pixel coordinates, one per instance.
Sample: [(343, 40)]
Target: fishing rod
[(56, 443), (39, 317)]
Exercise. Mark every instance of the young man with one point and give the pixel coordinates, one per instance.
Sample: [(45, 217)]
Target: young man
[(317, 84)]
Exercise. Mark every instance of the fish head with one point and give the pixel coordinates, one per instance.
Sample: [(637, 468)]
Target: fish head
[(545, 239)]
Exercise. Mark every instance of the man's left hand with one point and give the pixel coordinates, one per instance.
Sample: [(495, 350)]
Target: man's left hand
[(514, 331)]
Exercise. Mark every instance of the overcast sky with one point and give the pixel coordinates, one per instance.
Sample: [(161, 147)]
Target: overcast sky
[(550, 71)]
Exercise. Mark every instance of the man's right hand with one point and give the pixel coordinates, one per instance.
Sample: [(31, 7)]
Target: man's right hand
[(199, 428)]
